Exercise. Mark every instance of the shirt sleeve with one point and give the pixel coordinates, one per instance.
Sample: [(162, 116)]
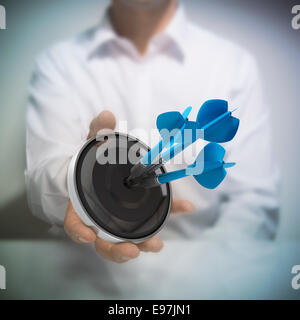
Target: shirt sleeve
[(250, 192), (54, 132)]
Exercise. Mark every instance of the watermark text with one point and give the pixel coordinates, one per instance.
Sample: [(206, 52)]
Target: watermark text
[(296, 279), (2, 278), (2, 18), (296, 19)]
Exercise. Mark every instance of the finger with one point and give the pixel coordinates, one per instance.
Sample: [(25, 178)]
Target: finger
[(182, 206), (152, 245), (76, 229), (119, 253), (105, 120)]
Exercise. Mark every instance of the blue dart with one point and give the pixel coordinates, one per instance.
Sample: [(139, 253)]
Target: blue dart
[(208, 170), (214, 123), (166, 123)]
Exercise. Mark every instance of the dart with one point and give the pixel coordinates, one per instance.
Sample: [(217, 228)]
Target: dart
[(214, 123), (209, 169), (166, 123)]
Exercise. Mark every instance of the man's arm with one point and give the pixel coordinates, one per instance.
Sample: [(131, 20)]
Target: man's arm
[(54, 132)]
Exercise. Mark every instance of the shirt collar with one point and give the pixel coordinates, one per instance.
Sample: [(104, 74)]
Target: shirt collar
[(103, 33), (175, 31)]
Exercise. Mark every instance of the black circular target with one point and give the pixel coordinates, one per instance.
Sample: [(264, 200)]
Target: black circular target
[(101, 170)]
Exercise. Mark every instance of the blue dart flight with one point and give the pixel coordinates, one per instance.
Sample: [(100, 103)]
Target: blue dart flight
[(209, 169), (214, 123), (167, 123)]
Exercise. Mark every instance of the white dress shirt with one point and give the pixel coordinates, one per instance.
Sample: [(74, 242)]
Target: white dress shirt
[(76, 79)]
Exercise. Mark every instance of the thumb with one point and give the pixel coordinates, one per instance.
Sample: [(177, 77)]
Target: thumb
[(105, 120)]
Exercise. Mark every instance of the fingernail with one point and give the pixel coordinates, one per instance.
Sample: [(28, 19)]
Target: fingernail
[(83, 240)]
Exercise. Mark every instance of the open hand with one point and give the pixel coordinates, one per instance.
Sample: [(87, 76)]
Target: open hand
[(116, 252)]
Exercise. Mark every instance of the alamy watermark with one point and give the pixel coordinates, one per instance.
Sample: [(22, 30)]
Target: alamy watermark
[(112, 150), (2, 18), (2, 278), (296, 19), (296, 279)]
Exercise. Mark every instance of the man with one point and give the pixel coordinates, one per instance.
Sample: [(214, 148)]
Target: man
[(143, 59)]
